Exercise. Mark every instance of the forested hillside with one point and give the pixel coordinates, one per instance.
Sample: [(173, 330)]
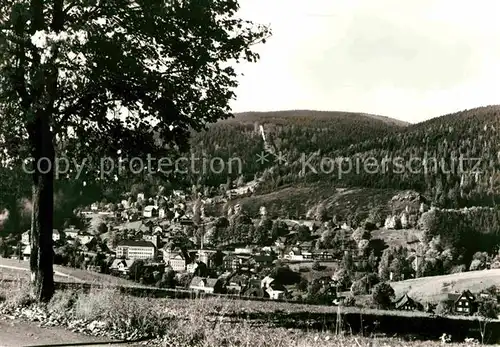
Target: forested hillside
[(334, 139), (424, 157), (289, 132)]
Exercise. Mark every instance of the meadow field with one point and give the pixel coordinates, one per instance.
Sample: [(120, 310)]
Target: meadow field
[(434, 289), (205, 322)]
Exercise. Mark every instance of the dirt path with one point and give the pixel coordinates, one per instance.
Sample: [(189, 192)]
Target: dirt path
[(15, 333)]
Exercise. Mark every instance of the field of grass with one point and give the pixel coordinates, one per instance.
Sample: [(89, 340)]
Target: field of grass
[(396, 237), (434, 289), (12, 269), (206, 322)]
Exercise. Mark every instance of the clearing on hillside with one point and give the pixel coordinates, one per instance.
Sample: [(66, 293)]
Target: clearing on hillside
[(434, 289)]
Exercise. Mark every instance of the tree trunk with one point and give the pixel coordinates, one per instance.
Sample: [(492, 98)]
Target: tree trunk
[(42, 253)]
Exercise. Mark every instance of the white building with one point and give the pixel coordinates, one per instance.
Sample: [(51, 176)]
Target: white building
[(177, 262), (178, 194), (27, 253), (243, 251), (84, 239), (161, 213), (71, 232), (135, 250), (25, 237), (150, 211), (191, 268)]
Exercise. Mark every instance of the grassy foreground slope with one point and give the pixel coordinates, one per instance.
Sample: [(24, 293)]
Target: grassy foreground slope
[(434, 289), (14, 269), (214, 322)]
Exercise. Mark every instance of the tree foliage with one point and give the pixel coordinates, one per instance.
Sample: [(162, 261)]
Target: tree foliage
[(382, 295), (86, 80)]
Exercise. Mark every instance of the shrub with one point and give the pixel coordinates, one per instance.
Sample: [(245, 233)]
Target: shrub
[(444, 308), (316, 266), (382, 295), (17, 295), (62, 301), (458, 269), (350, 301), (488, 309)]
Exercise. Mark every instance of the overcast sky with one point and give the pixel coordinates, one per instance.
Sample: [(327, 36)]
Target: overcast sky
[(411, 60)]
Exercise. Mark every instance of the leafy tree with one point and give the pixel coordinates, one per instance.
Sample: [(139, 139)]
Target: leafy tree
[(364, 284), (347, 262), (375, 216), (488, 308), (394, 260), (382, 295), (77, 66), (428, 222), (321, 213), (197, 211), (278, 229), (316, 266), (372, 261), (168, 279), (458, 269), (285, 275), (342, 277), (303, 233), (137, 269), (360, 234), (184, 280), (102, 228), (444, 308), (349, 301), (303, 284), (4, 248), (476, 264)]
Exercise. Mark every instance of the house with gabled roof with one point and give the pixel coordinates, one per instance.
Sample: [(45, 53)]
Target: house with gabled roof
[(405, 303), (263, 260), (25, 237), (273, 289), (465, 303), (206, 285), (121, 265), (150, 211), (71, 232)]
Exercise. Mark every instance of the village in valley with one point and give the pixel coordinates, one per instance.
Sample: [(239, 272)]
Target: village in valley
[(169, 242)]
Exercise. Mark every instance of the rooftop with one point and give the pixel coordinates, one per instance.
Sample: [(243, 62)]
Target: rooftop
[(134, 243)]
